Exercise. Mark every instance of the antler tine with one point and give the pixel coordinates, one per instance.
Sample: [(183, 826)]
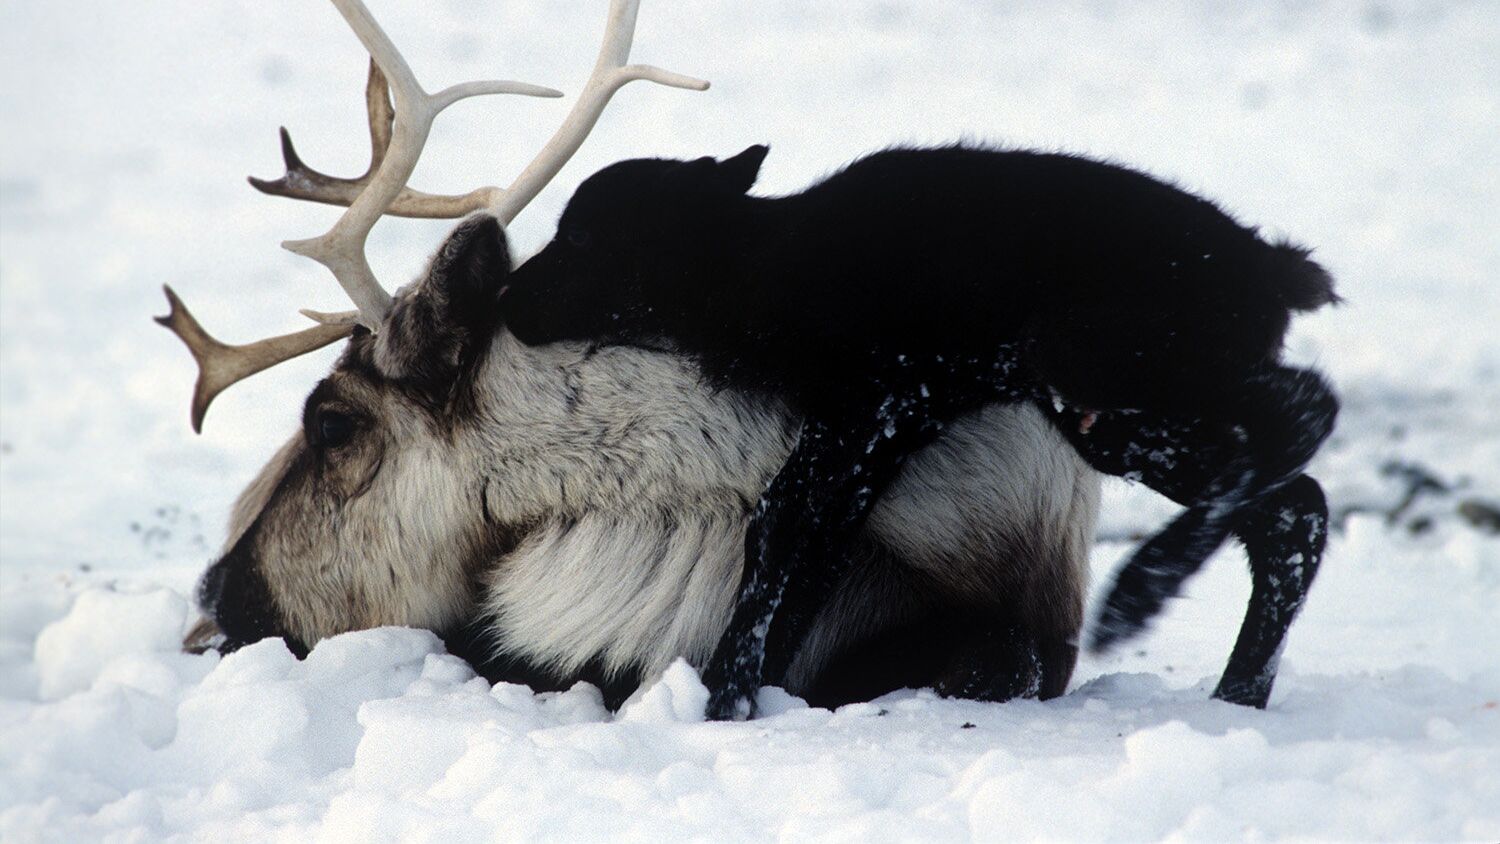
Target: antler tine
[(397, 134), (609, 75), (221, 364), (341, 249), (303, 182)]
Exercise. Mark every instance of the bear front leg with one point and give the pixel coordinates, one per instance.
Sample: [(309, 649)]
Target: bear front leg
[(798, 544)]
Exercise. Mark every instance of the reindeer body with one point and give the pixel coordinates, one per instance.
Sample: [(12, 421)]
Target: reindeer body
[(633, 557), (576, 512)]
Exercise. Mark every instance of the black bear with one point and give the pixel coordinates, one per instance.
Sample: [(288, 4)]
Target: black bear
[(916, 284)]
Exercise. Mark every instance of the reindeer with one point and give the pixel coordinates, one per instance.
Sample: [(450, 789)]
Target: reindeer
[(576, 511)]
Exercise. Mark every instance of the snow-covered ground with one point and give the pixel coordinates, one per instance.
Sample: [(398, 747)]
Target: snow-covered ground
[(1367, 129)]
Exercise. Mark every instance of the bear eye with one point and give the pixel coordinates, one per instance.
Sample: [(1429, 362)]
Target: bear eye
[(577, 237), (334, 428)]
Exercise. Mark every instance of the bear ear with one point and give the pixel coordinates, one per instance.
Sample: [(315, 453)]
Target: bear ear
[(739, 173)]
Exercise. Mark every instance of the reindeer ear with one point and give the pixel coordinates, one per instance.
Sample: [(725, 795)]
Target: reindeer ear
[(739, 173), (468, 273), (450, 314)]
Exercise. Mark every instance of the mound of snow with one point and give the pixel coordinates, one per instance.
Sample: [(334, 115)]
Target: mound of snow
[(678, 697), (104, 625), (1382, 727)]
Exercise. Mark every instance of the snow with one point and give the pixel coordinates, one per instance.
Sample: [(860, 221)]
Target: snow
[(1366, 129), (380, 734)]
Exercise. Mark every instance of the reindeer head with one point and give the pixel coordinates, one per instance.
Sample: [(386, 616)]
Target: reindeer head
[(378, 497), (375, 512)]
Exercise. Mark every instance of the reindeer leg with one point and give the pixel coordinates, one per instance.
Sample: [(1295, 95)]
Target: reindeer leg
[(997, 661)]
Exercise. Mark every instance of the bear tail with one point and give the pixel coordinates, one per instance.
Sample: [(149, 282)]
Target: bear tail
[(1301, 282)]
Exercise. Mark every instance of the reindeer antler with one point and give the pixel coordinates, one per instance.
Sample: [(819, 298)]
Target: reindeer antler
[(220, 364), (303, 182), (397, 134), (609, 75), (342, 248)]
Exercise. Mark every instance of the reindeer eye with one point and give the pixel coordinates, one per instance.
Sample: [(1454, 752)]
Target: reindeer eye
[(334, 428)]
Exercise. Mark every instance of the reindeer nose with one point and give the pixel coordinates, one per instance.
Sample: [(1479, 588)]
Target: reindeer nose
[(234, 593), (211, 586)]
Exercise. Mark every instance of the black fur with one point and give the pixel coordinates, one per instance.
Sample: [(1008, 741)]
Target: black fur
[(1127, 288), (919, 283), (1284, 537)]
